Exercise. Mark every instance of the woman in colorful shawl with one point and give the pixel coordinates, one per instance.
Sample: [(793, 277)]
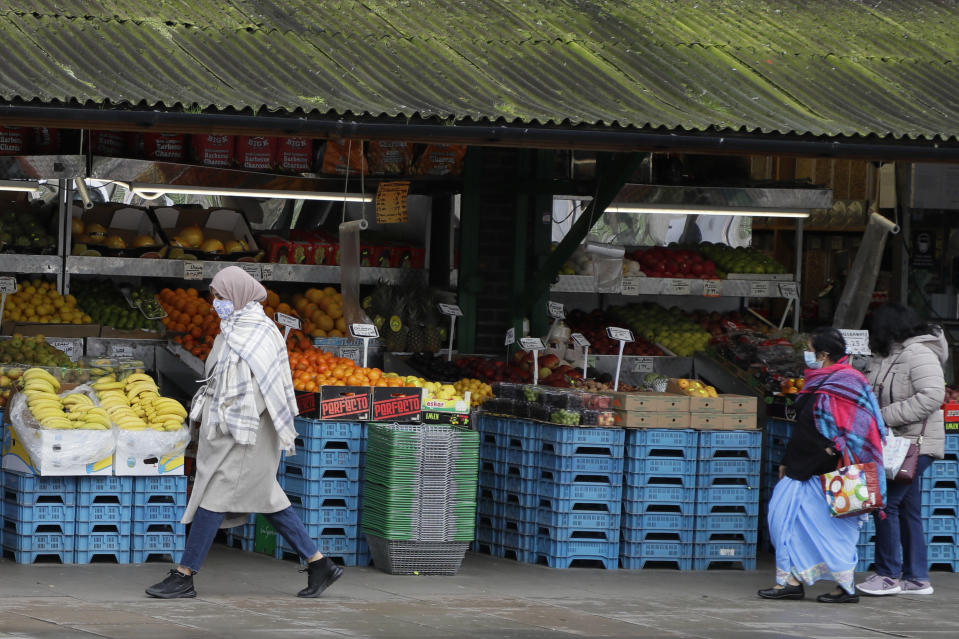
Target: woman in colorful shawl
[(836, 411), (246, 413)]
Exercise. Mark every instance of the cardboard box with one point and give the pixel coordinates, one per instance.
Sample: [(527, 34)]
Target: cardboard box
[(109, 143), (950, 414), (741, 421), (294, 154), (707, 421), (443, 417), (740, 404), (256, 152), (649, 402), (706, 405), (127, 222), (165, 147), (213, 150), (345, 403), (132, 465), (276, 249), (55, 445), (13, 140), (45, 141), (307, 403), (391, 404), (225, 225), (630, 419)]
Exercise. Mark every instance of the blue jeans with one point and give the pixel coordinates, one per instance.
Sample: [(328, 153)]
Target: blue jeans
[(900, 542), (206, 523)]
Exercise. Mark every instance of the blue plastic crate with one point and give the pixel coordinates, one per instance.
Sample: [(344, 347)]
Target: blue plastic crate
[(520, 428), (31, 556), (660, 494), (579, 518), (866, 552), (583, 463), (145, 527), (105, 541), (336, 545), (487, 480), (518, 484), (660, 466), (160, 484), (516, 512), (103, 484), (610, 437), (659, 550), (639, 563), (567, 534), (782, 427), (27, 490), (685, 480), (753, 453), (647, 451), (937, 525), (943, 469), (941, 552), (53, 510), (558, 504), (577, 490), (515, 540), (719, 563), (313, 473), (938, 510), (569, 561), (157, 512), (730, 439), (952, 443), (306, 444), (520, 555), (314, 502), (637, 515), (523, 500), (664, 438), (706, 508), (725, 549), (86, 557), (560, 476), (164, 498), (580, 448), (328, 486), (324, 459), (519, 442), (731, 466), (488, 535), (643, 535), (90, 498), (159, 542), (42, 542), (326, 515), (941, 497), (727, 494), (23, 527), (519, 457), (491, 522), (316, 429), (706, 482), (727, 523), (749, 536)]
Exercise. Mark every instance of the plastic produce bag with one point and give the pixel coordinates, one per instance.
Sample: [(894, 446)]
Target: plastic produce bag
[(144, 444)]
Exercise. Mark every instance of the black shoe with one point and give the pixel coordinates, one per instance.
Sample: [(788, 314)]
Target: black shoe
[(842, 597), (175, 586), (786, 592), (322, 573)]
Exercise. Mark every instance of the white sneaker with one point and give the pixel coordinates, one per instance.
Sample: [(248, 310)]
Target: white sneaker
[(877, 585), (916, 587)]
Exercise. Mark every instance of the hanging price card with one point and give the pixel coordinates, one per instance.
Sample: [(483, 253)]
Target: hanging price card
[(451, 309), (119, 351), (857, 342), (287, 320), (789, 289), (391, 202), (193, 270), (510, 336), (68, 346), (531, 343), (8, 285), (351, 352), (677, 287), (364, 330), (556, 310), (619, 334), (759, 289), (643, 365), (631, 285), (712, 288), (253, 270), (579, 339)]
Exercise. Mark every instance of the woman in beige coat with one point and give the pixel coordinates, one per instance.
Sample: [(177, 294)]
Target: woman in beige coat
[(906, 373), (246, 415)]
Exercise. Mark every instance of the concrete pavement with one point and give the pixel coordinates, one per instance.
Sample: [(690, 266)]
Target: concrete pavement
[(247, 595)]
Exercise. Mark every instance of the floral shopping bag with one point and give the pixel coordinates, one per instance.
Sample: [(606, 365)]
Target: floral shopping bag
[(853, 488)]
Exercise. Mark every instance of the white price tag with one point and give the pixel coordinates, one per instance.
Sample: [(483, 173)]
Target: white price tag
[(253, 270), (120, 351), (579, 339), (712, 288), (8, 284), (631, 285), (287, 320), (531, 343), (451, 309), (266, 271), (789, 289), (643, 365), (619, 334), (65, 345), (510, 336), (678, 287), (857, 342), (759, 289), (364, 330), (354, 353), (556, 310), (193, 270)]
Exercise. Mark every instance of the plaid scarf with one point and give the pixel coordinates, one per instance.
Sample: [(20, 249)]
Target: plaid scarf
[(254, 354)]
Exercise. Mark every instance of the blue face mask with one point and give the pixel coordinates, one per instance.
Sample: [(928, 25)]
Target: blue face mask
[(810, 358), (223, 308)]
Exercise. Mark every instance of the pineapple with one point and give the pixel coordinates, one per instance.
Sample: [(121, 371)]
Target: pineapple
[(415, 312)]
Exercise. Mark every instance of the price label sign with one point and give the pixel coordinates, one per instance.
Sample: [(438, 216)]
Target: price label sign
[(364, 330), (451, 309), (266, 271), (68, 346), (759, 289), (531, 343), (857, 342), (350, 352), (510, 337), (579, 339), (619, 334), (8, 284), (631, 285), (789, 289), (712, 288), (678, 287), (253, 270), (120, 351), (556, 310), (391, 202), (193, 270), (287, 320), (643, 365)]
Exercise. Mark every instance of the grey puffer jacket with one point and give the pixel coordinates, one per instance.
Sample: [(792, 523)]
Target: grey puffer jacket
[(910, 385)]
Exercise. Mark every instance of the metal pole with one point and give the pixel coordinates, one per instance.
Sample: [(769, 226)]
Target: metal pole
[(799, 239)]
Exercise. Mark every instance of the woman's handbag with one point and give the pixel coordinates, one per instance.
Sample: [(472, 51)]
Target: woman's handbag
[(853, 488), (907, 471), (894, 452)]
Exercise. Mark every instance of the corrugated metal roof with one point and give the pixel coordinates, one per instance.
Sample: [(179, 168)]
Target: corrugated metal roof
[(826, 68)]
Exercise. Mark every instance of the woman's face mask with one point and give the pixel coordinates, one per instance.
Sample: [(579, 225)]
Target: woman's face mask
[(223, 308), (811, 361)]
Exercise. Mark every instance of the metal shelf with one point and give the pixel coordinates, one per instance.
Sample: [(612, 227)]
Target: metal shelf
[(144, 267), (760, 287), (40, 264)]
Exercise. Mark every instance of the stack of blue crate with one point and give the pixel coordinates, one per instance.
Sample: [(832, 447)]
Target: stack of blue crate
[(39, 517), (574, 527), (727, 499), (323, 482), (775, 437), (104, 517), (940, 503), (158, 503), (659, 498), (866, 548), (242, 536)]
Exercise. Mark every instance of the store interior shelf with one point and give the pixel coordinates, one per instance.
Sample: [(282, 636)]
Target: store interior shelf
[(636, 367), (143, 267), (40, 264), (47, 167), (762, 286)]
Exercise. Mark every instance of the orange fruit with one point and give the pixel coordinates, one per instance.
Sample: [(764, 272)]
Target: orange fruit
[(284, 308)]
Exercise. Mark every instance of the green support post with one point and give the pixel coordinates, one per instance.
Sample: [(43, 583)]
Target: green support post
[(520, 241), (542, 240), (470, 280)]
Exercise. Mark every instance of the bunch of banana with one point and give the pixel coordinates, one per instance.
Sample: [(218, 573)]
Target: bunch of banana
[(37, 379), (135, 403), (164, 413), (40, 389), (114, 400), (84, 415)]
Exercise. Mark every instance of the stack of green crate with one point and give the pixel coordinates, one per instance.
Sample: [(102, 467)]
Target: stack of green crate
[(419, 496)]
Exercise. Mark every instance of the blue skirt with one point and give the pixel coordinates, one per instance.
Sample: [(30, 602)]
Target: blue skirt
[(810, 544)]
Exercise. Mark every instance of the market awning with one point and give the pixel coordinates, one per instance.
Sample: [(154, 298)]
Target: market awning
[(821, 68)]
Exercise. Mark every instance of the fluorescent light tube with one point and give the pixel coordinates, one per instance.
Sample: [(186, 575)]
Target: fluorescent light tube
[(153, 191), (27, 186), (683, 209)]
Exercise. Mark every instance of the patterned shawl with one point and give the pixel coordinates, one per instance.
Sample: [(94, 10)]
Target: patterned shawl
[(847, 413)]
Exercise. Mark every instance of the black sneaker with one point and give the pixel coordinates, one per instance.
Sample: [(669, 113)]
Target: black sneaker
[(786, 592), (175, 586), (322, 573), (842, 597)]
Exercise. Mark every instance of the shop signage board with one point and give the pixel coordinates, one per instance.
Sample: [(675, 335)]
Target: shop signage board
[(510, 337), (678, 287), (857, 342), (712, 288), (621, 335), (120, 351), (68, 345), (759, 288), (193, 270), (531, 343), (361, 331), (451, 310), (8, 284), (789, 290), (397, 404), (631, 286), (556, 310), (288, 322), (580, 340), (391, 202), (266, 272), (643, 365)]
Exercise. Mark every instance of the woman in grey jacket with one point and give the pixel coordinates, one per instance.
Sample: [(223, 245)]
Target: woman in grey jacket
[(906, 373)]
